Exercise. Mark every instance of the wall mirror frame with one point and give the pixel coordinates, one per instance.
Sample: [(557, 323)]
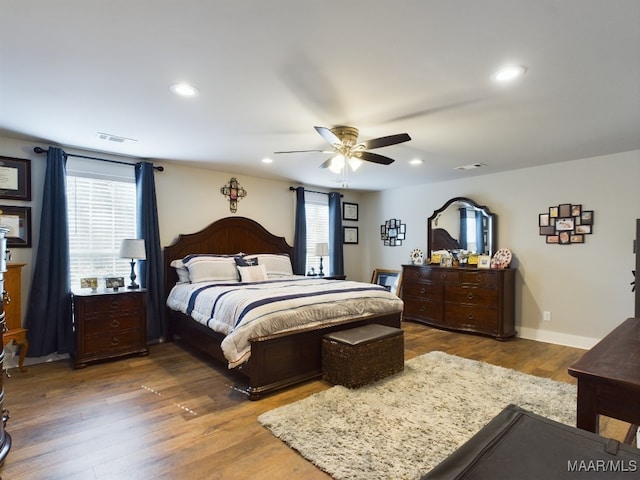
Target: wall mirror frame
[(447, 224)]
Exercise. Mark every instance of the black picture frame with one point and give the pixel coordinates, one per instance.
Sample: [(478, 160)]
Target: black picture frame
[(350, 235), (15, 179), (18, 220), (350, 211)]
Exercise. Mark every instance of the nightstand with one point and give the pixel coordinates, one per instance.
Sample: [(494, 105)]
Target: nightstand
[(108, 325)]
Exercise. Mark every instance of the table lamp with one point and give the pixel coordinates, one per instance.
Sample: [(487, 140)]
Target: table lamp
[(133, 248), (322, 250)]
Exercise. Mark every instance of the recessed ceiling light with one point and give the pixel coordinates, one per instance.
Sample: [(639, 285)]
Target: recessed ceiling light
[(416, 161), (509, 73), (184, 89), (267, 160)]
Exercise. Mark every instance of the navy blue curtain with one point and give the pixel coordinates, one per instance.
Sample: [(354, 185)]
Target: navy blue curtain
[(480, 229), (48, 313), (299, 261), (151, 269), (463, 229), (336, 255)]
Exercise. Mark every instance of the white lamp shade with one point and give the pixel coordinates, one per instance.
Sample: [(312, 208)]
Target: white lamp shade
[(322, 249), (133, 248)]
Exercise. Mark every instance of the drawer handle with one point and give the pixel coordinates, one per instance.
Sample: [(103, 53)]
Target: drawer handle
[(470, 296), (114, 341), (470, 316), (5, 297), (443, 276), (115, 324), (417, 274), (422, 308), (479, 278), (114, 304), (422, 290)]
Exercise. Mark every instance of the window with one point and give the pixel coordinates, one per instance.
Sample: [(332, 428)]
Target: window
[(101, 202), (317, 210)]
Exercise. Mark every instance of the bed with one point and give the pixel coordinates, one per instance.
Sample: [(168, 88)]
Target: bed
[(277, 360)]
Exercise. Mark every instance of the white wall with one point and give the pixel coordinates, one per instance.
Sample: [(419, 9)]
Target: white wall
[(586, 287)]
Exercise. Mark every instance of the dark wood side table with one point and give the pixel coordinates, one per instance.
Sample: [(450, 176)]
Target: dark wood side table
[(109, 325), (609, 378)]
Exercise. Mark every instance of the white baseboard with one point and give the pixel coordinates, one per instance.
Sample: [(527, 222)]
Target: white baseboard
[(546, 336)]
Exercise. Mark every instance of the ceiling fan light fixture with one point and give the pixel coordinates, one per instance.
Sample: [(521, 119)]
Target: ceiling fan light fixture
[(354, 163), (337, 164)]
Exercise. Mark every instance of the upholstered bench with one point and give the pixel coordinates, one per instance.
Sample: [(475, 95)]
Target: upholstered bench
[(362, 355)]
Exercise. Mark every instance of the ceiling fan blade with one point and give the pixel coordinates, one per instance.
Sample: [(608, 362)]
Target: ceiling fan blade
[(329, 136), (374, 157), (385, 141), (304, 151)]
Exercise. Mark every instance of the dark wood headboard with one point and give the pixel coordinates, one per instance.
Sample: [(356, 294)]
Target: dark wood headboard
[(442, 240), (226, 236)]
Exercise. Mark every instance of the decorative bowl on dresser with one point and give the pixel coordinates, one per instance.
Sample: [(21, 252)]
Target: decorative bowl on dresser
[(109, 325), (461, 299)]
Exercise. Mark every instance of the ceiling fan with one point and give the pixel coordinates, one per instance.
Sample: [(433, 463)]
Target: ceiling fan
[(346, 149)]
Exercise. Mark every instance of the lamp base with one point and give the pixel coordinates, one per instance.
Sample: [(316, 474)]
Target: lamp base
[(133, 285), (321, 274)]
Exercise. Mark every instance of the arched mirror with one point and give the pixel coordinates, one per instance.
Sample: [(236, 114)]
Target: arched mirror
[(462, 224)]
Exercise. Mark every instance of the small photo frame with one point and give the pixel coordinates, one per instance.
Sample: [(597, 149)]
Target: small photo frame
[(473, 259), (564, 210), (552, 239), (576, 210), (577, 238), (583, 229), (484, 261), (543, 220), (350, 211), (89, 282), (586, 217), (114, 282), (553, 212), (350, 235), (565, 224), (18, 221), (15, 179)]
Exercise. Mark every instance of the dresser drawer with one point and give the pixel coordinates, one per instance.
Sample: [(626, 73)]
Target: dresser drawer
[(471, 316), (483, 297), (423, 309), (423, 290), (478, 277), (412, 275)]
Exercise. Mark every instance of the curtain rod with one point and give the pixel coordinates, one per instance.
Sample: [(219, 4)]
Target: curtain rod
[(292, 189), (42, 150)]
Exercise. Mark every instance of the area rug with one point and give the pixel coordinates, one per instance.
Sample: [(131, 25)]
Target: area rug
[(404, 425)]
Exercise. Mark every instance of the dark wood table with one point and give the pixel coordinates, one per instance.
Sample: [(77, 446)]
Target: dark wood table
[(609, 378)]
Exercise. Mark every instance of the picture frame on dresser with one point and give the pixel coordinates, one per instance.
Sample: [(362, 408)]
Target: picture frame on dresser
[(15, 178), (16, 219)]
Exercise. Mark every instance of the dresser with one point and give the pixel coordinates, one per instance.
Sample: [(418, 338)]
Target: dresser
[(15, 334), (108, 325), (461, 299), (5, 438)]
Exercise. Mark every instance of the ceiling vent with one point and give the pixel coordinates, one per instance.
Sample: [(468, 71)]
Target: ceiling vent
[(115, 138), (471, 166)]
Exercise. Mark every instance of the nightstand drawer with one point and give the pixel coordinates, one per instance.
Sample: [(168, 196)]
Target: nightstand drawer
[(114, 322), (110, 303), (112, 343)]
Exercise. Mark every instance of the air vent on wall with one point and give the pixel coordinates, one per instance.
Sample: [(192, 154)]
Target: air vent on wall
[(115, 138), (471, 166)]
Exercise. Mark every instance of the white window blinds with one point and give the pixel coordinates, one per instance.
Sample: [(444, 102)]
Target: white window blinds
[(317, 211), (101, 202)]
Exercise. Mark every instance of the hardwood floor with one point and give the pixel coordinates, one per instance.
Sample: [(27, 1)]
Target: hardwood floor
[(177, 414)]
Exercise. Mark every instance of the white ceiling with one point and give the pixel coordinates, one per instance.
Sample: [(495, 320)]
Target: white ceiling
[(269, 70)]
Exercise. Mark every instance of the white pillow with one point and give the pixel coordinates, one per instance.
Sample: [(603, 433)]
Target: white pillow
[(211, 268), (254, 273), (181, 270), (276, 265)]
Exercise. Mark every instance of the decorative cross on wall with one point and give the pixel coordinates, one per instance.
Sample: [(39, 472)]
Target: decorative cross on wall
[(234, 192)]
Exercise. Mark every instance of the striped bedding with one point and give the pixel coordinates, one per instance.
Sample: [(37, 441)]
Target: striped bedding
[(242, 311)]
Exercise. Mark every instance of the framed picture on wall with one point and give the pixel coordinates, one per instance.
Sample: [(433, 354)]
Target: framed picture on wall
[(350, 211), (350, 235), (15, 178), (18, 221)]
